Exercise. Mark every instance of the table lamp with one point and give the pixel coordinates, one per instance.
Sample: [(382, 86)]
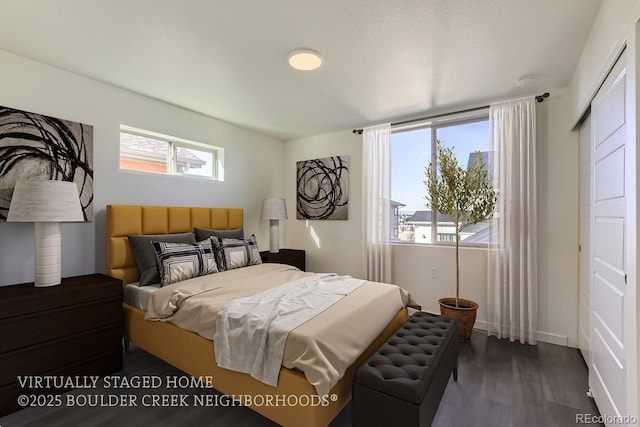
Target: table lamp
[(47, 204), (274, 209)]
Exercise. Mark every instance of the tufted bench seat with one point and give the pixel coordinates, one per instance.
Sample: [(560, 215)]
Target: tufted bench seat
[(403, 381)]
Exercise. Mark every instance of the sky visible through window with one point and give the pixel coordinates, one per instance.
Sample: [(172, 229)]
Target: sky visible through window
[(204, 169), (411, 153)]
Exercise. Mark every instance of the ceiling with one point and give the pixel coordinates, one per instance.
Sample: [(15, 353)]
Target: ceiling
[(383, 60)]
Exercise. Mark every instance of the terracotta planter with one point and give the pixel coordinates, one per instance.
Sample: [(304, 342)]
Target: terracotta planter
[(465, 313)]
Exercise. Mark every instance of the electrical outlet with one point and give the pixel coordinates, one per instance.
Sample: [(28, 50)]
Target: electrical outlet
[(434, 272)]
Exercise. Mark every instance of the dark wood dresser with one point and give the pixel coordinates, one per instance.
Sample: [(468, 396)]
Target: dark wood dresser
[(294, 257), (71, 329)]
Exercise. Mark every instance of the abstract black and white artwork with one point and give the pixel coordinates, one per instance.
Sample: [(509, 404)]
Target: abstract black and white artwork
[(34, 146), (323, 188)]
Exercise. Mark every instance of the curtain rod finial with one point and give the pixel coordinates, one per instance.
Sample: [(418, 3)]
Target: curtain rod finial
[(541, 98)]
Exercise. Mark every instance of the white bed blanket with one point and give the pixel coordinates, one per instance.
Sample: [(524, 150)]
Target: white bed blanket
[(251, 332)]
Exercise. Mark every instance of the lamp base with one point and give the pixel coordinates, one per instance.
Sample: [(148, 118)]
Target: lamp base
[(47, 254), (274, 236)]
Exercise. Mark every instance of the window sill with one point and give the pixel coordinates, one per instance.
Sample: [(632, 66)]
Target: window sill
[(442, 245)]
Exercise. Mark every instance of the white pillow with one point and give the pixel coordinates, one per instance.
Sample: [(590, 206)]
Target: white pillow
[(236, 253), (182, 261)]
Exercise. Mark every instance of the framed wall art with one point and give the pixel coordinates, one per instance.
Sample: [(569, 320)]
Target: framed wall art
[(323, 188), (34, 146)]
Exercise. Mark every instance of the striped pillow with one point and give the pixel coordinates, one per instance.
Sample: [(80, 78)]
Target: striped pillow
[(236, 253), (182, 261)]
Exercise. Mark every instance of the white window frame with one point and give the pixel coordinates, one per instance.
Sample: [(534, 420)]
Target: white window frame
[(217, 173), (434, 125)]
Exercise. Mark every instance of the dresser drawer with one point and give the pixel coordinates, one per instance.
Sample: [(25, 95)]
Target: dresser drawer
[(19, 300), (27, 330), (101, 365), (74, 328), (55, 355)]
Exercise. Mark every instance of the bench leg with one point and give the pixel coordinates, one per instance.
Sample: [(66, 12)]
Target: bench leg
[(455, 373)]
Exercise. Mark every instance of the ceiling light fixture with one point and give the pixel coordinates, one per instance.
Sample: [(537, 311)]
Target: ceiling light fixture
[(305, 60), (526, 81)]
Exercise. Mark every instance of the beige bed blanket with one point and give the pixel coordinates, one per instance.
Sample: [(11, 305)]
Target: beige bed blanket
[(322, 348)]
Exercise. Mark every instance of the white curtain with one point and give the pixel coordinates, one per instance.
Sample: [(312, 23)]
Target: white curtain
[(376, 195), (512, 269)]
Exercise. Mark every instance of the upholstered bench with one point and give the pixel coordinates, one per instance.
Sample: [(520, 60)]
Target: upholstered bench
[(403, 381)]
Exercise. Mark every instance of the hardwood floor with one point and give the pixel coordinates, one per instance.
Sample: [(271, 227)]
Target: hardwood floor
[(500, 384)]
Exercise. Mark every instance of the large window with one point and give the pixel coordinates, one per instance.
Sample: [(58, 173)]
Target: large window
[(412, 149), (145, 151)]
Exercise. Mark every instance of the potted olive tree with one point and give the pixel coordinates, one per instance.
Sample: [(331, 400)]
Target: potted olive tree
[(465, 196)]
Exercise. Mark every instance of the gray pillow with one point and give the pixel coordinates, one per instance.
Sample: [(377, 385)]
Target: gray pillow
[(205, 233), (146, 256)]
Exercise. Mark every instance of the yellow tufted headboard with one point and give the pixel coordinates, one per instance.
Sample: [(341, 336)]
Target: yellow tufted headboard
[(123, 220)]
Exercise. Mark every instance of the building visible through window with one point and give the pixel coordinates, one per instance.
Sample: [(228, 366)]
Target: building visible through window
[(412, 149), (150, 152)]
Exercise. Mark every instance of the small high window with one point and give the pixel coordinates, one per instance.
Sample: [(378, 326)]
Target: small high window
[(146, 151)]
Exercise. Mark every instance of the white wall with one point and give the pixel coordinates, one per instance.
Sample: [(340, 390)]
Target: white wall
[(412, 266), (341, 241), (558, 188), (332, 246), (253, 162), (608, 34)]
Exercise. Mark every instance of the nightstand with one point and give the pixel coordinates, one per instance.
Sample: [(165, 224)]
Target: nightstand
[(294, 257), (71, 329)]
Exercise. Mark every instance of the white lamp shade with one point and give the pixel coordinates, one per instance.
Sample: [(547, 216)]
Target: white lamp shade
[(45, 201), (274, 208)]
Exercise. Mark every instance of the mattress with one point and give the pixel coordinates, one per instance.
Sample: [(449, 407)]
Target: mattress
[(138, 296)]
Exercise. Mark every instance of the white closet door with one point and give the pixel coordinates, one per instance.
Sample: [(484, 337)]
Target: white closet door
[(584, 256), (608, 365)]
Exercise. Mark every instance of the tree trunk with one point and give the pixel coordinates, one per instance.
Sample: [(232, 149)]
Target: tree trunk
[(457, 264)]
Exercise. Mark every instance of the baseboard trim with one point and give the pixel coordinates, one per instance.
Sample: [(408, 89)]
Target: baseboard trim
[(547, 337)]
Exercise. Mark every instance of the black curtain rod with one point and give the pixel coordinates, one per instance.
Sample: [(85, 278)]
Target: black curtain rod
[(539, 98)]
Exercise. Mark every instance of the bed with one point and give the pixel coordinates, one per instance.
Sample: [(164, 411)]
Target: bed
[(191, 352)]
